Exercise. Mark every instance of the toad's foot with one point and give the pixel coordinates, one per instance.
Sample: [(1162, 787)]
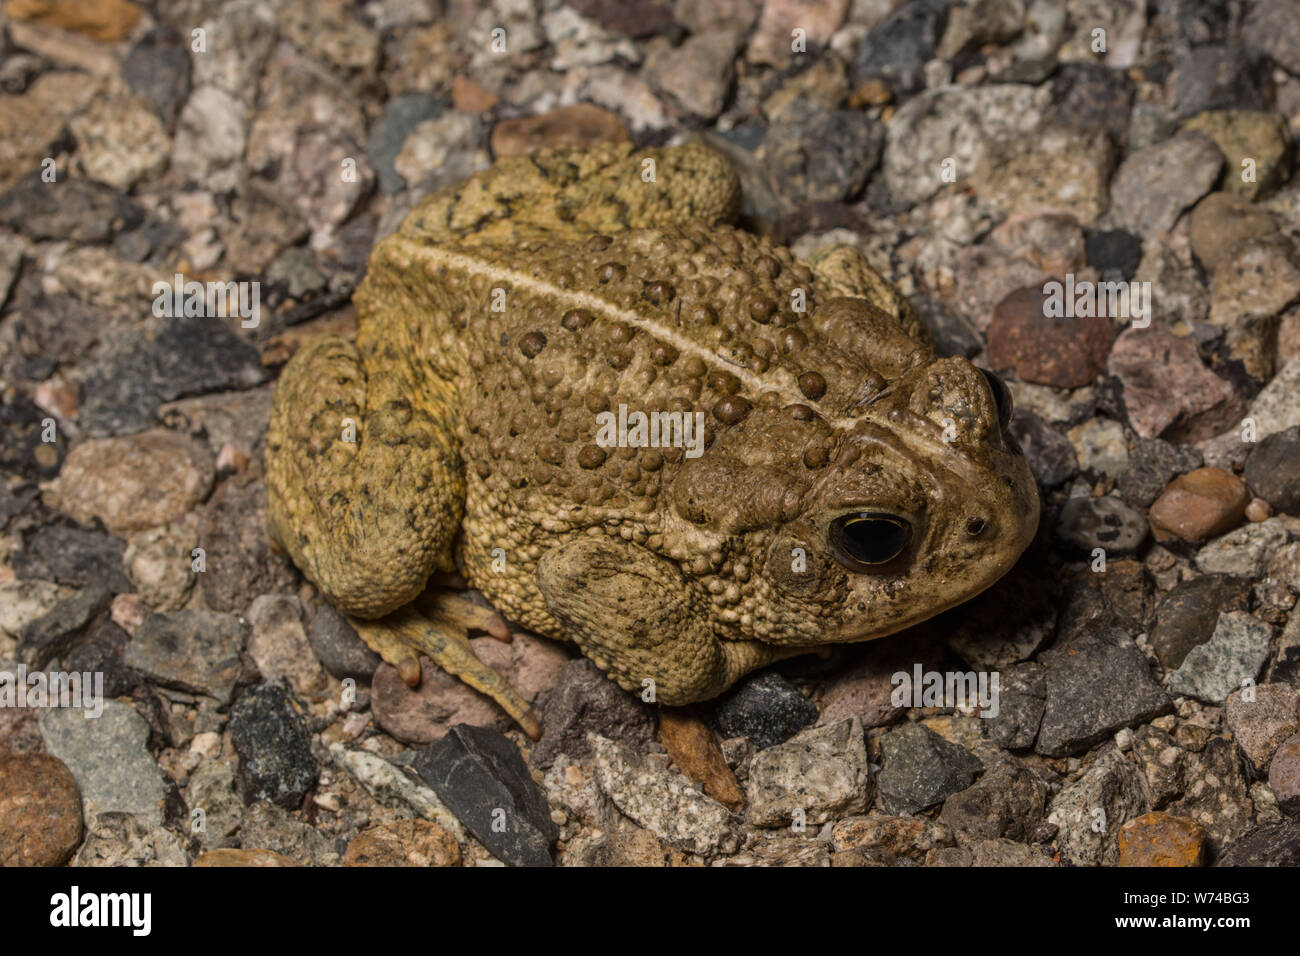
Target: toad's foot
[(438, 628)]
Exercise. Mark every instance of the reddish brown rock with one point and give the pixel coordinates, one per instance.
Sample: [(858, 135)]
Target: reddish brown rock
[(215, 858), (1158, 839), (579, 125), (695, 750), (1201, 504), (40, 810), (470, 97), (106, 20), (1284, 776), (403, 843), (1168, 392), (1064, 352)]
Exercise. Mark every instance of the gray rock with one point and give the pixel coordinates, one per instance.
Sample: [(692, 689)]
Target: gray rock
[(1213, 77), (1097, 684), (820, 155), (109, 758), (1154, 185), (158, 68), (1235, 652), (1152, 464), (1163, 764), (482, 778), (1273, 470), (264, 826), (270, 735), (583, 700), (76, 209), (401, 115), (1008, 801), (1090, 811), (78, 557), (1271, 26), (55, 633), (767, 709), (193, 651), (240, 562), (663, 802), (339, 647), (818, 775), (922, 769), (1051, 457), (1108, 523), (897, 49), (1187, 615), (1022, 696)]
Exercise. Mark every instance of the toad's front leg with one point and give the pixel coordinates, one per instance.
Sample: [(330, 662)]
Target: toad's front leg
[(631, 612)]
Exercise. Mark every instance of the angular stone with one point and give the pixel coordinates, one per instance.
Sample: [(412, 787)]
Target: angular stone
[(1235, 652), (1201, 504), (1187, 615), (767, 709), (270, 734), (194, 651), (1154, 185), (922, 769), (817, 775), (1111, 785), (1168, 391), (1158, 839)]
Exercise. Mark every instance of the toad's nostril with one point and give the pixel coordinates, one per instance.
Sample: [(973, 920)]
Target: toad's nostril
[(975, 527)]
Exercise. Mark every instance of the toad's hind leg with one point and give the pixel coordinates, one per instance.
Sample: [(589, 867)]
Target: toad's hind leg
[(438, 628), (365, 491)]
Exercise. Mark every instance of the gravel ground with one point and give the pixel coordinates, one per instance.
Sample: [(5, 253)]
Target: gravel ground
[(1147, 647)]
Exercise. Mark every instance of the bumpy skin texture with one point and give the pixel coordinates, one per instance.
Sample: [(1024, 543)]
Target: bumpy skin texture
[(509, 311)]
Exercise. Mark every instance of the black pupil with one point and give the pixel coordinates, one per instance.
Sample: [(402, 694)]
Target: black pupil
[(870, 539)]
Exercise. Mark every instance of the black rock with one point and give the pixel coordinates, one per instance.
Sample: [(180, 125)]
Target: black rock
[(55, 634), (1269, 844), (1050, 454), (897, 49), (401, 115), (1222, 77), (1095, 685), (1086, 524), (1152, 464), (767, 709), (125, 386), (818, 155), (74, 556), (1273, 470), (481, 777), (584, 700), (1188, 614), (339, 647), (1093, 96), (158, 68), (1022, 695), (104, 653), (921, 769), (270, 735), (22, 448), (196, 651), (79, 210), (1007, 802), (1115, 253)]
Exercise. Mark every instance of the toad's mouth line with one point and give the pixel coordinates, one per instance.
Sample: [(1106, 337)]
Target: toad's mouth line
[(782, 380)]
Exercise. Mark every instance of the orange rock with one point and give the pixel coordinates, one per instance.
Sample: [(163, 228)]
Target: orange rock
[(470, 97), (106, 20), (403, 843), (242, 858), (579, 125), (695, 750), (40, 810), (1201, 504), (1158, 839)]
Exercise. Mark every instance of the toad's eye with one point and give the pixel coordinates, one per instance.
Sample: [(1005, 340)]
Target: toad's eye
[(1001, 398), (865, 539)]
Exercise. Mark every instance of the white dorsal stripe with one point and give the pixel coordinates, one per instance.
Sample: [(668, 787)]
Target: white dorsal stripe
[(756, 385)]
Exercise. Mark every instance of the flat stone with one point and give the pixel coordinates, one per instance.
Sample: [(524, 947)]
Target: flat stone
[(663, 802), (694, 748), (1187, 615), (1111, 785), (1168, 391), (191, 650), (1201, 504), (1105, 522), (1262, 721), (1153, 186), (482, 778), (1095, 686), (339, 648), (109, 758), (922, 769), (819, 774), (1235, 652)]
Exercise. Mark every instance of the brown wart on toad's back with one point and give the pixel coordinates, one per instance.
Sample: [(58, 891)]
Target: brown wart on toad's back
[(849, 483)]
